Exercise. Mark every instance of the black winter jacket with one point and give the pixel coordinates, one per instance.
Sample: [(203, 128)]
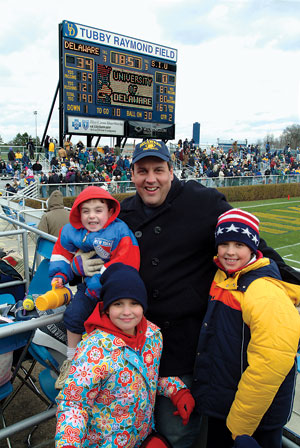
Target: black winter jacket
[(177, 248)]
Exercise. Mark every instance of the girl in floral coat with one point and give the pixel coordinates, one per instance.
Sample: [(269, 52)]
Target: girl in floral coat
[(109, 396)]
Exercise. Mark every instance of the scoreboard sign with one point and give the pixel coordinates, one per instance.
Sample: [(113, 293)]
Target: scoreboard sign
[(111, 84)]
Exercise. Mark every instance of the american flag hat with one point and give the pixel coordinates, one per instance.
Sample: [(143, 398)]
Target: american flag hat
[(238, 225)]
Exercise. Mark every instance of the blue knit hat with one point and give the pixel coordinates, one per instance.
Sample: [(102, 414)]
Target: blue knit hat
[(120, 281), (238, 225)]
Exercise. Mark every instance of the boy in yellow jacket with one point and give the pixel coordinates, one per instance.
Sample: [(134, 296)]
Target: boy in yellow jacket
[(246, 359)]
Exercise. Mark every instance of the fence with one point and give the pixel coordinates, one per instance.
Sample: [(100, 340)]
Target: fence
[(39, 190), (114, 187), (5, 148), (248, 180)]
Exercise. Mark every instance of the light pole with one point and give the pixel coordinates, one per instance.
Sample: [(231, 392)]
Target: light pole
[(35, 114)]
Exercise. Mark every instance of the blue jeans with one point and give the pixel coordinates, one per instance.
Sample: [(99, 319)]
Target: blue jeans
[(78, 310), (170, 425), (44, 191)]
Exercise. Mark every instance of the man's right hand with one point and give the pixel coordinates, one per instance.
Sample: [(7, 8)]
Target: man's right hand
[(84, 265)]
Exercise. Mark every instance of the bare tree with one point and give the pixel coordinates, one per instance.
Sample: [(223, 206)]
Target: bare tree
[(271, 139), (291, 135)]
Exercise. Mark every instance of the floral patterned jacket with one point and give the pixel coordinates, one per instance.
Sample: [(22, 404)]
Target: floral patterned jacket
[(109, 396)]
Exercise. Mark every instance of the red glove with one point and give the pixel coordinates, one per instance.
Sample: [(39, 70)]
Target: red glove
[(185, 403)]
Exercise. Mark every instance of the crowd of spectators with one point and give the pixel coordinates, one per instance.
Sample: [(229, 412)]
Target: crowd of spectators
[(248, 160), (69, 165), (75, 164)]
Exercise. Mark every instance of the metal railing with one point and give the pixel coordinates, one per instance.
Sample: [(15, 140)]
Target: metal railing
[(73, 189), (238, 181), (31, 191), (41, 192), (23, 230)]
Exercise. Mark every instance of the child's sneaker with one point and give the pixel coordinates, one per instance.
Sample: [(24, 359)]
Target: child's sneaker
[(64, 373)]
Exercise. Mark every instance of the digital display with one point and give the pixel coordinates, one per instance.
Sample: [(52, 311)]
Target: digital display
[(102, 81), (126, 60), (79, 62)]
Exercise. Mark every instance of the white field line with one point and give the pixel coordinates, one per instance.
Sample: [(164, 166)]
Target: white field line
[(278, 203), (269, 203), (293, 261), (284, 247)]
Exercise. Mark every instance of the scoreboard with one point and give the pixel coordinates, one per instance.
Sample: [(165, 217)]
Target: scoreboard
[(115, 85)]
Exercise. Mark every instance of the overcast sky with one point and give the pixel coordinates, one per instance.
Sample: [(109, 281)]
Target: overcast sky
[(238, 68)]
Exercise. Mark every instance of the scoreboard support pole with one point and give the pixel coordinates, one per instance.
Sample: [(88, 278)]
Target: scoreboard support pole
[(50, 114), (124, 142), (97, 141), (119, 140), (89, 139)]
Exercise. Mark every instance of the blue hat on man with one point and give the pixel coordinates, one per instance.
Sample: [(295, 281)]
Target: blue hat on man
[(150, 148)]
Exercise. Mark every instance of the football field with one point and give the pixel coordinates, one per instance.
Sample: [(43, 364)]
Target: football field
[(279, 225)]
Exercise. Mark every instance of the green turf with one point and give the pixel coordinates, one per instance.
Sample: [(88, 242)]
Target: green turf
[(279, 225)]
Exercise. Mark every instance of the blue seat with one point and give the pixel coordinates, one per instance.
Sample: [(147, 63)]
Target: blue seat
[(44, 247), (47, 378), (41, 282), (47, 382), (13, 214), (10, 344), (7, 298), (42, 355), (9, 212), (22, 219)]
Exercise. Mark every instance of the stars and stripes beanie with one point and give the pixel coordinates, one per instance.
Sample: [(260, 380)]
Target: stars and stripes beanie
[(238, 225)]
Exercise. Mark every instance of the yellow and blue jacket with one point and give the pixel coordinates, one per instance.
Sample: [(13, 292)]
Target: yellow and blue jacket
[(245, 366)]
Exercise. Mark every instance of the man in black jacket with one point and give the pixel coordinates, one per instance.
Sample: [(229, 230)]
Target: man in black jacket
[(2, 166), (173, 222), (10, 190), (31, 148)]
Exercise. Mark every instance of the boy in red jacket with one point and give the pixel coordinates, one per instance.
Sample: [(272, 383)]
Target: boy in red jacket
[(94, 226)]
